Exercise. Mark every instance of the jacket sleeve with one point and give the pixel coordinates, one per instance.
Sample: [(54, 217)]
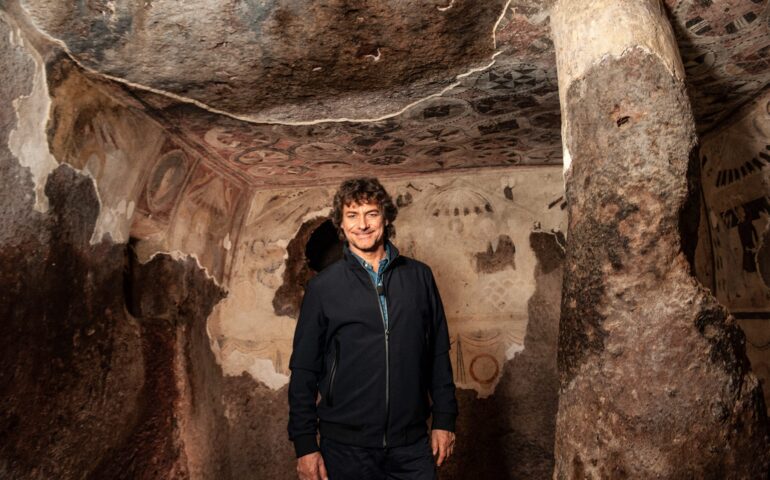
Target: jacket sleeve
[(306, 366), (442, 388)]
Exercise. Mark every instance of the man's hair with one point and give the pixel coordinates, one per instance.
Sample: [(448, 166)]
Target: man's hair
[(364, 190)]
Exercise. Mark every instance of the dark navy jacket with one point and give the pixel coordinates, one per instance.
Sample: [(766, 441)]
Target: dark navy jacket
[(376, 386)]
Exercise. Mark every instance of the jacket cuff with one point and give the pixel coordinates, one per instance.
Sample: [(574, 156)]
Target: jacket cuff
[(305, 444), (444, 421)]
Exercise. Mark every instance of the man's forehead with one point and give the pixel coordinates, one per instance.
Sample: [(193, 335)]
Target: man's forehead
[(364, 202)]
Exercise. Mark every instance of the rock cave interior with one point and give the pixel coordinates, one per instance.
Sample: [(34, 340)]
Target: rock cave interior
[(564, 167)]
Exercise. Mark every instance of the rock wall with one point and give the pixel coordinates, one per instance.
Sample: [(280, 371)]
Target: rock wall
[(106, 368), (652, 368), (254, 55), (70, 382), (733, 254)]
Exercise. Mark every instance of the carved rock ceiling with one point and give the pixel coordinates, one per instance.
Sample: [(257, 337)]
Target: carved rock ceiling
[(290, 92)]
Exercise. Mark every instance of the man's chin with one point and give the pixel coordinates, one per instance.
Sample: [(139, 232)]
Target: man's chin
[(367, 248)]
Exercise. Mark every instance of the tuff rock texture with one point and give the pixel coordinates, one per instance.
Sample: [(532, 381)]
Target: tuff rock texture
[(652, 367), (181, 425), (70, 381), (286, 59), (257, 439), (107, 368)]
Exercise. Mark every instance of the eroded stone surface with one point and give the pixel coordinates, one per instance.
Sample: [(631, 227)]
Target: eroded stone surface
[(143, 396), (181, 425), (643, 350), (73, 380), (257, 416), (287, 59), (70, 382), (90, 388), (288, 297)]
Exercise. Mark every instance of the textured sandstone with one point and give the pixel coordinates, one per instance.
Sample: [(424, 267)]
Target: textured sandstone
[(69, 380), (284, 60), (652, 367)]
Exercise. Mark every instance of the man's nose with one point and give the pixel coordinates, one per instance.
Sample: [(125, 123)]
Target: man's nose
[(363, 223)]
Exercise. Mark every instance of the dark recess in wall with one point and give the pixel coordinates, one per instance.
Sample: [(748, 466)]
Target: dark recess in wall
[(689, 215), (324, 247), (288, 297)]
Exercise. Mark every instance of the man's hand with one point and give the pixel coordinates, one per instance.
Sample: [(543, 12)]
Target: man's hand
[(311, 467), (443, 444)]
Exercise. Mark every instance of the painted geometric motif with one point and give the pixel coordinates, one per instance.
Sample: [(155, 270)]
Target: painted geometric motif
[(736, 184), (725, 47)]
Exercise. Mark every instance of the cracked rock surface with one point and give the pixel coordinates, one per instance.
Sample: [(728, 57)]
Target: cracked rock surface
[(295, 59)]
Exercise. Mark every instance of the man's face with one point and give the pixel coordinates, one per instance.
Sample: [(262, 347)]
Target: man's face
[(364, 227)]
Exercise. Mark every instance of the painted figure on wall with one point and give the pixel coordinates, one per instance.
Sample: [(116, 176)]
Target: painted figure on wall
[(736, 174), (372, 339)]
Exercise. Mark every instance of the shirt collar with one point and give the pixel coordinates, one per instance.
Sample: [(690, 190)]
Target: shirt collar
[(383, 262)]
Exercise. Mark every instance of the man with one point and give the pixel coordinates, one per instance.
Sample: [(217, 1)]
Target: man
[(372, 339)]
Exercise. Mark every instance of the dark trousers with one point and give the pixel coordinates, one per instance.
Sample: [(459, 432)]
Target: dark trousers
[(348, 462)]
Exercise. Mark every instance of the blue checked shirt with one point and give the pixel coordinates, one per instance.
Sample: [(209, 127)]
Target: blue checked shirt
[(377, 280)]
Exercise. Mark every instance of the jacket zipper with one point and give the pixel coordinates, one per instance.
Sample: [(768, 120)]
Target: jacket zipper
[(387, 370), (387, 353), (386, 328)]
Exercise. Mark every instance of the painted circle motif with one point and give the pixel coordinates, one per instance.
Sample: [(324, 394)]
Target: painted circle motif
[(166, 180), (443, 153), (302, 133), (504, 104), (498, 157), (495, 142), (375, 128), (514, 79), (255, 156), (484, 368)]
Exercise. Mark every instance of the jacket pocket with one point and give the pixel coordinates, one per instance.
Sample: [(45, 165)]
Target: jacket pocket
[(333, 373)]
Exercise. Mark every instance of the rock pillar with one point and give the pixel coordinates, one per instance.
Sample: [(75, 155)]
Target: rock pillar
[(654, 381)]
